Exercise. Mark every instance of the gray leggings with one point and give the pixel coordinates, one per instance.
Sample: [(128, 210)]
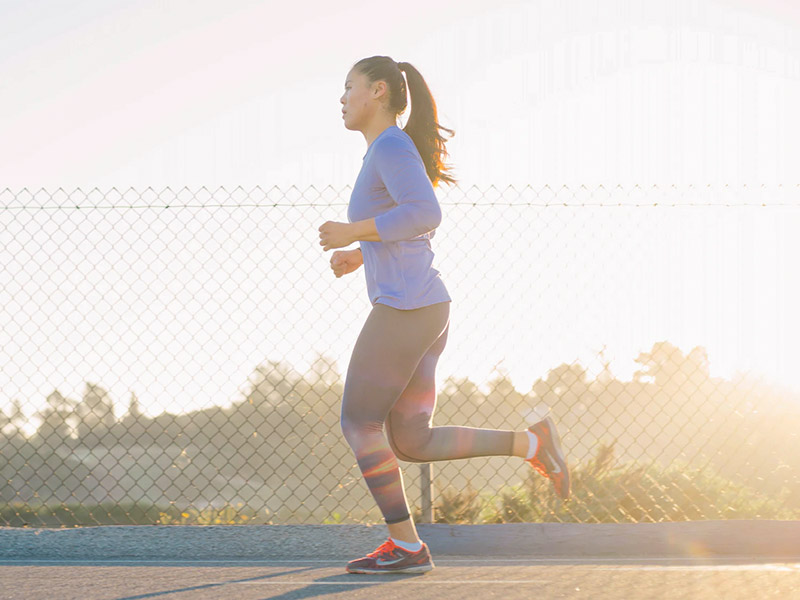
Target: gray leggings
[(391, 381)]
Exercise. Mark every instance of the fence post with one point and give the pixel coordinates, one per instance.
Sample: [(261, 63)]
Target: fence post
[(426, 485)]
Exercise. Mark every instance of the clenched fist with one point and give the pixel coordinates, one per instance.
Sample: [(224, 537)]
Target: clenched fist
[(333, 234), (346, 261)]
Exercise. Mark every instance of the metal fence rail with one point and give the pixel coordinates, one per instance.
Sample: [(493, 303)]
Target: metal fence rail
[(178, 356)]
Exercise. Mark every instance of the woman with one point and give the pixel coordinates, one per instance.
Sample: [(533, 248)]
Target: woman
[(393, 213)]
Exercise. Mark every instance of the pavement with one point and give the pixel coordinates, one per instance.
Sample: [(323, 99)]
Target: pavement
[(696, 559)]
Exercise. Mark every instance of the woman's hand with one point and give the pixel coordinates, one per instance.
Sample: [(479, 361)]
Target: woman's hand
[(335, 235), (346, 261)]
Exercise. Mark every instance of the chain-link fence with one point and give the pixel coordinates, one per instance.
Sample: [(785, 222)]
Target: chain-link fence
[(178, 357)]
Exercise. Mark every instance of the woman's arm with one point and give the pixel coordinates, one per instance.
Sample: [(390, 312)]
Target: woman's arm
[(403, 174), (417, 210), (365, 230)]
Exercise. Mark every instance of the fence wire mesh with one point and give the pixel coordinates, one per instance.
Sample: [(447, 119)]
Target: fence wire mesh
[(179, 357)]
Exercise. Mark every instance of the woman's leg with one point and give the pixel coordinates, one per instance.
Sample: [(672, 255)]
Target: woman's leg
[(386, 354), (409, 430), (413, 439)]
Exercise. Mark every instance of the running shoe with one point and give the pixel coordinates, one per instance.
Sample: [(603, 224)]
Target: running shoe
[(549, 459), (391, 558)]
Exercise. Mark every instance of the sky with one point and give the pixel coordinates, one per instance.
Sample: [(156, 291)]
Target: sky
[(244, 93), (619, 94)]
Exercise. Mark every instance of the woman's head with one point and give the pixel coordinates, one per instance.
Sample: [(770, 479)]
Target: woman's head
[(377, 84)]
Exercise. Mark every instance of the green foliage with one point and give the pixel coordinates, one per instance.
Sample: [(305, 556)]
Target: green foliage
[(516, 507), (602, 492), (458, 507), (24, 514), (605, 493), (227, 515), (79, 515), (336, 519), (282, 447)]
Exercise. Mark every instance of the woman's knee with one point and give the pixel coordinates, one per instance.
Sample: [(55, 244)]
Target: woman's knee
[(409, 439), (356, 427), (350, 428), (402, 455)]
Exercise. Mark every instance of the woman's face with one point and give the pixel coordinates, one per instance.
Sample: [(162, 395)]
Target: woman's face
[(359, 101)]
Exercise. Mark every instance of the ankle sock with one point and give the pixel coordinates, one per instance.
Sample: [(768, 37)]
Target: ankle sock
[(407, 545), (533, 446)]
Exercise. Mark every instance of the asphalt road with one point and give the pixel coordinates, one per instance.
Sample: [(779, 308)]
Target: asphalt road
[(702, 559), (454, 578)]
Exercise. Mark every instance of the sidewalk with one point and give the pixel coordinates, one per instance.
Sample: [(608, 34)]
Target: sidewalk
[(692, 539)]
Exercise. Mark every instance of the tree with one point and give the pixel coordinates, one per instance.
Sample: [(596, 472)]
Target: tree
[(55, 427), (95, 410), (324, 371), (134, 408), (666, 364)]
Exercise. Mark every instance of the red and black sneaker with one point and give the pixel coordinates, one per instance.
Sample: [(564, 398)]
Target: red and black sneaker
[(391, 558), (549, 459)]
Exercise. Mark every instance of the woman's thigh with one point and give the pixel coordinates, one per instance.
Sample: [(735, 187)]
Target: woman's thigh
[(411, 417), (391, 345)]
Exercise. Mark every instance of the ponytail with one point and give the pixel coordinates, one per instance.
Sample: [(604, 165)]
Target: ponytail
[(422, 126)]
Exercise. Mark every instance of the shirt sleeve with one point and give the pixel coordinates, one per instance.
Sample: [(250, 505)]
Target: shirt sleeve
[(403, 174)]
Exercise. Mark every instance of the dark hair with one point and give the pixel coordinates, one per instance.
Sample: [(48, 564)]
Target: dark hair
[(422, 126)]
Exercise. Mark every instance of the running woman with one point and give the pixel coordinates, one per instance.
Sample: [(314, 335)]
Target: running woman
[(393, 213)]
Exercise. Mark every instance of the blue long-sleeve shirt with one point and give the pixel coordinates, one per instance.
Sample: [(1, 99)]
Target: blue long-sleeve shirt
[(393, 187)]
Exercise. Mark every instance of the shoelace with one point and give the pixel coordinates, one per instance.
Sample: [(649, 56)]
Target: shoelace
[(542, 462), (385, 547)]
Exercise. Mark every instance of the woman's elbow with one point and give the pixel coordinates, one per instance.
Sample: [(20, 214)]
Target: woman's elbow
[(434, 217)]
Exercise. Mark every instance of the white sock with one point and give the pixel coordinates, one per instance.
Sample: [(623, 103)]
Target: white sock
[(533, 446), (408, 545)]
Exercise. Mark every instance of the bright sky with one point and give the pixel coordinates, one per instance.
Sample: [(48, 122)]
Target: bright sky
[(146, 93)]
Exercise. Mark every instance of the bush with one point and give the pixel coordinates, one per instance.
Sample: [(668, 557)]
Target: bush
[(605, 493)]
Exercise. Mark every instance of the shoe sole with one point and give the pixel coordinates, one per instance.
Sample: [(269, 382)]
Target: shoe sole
[(413, 569), (554, 437), (560, 456)]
